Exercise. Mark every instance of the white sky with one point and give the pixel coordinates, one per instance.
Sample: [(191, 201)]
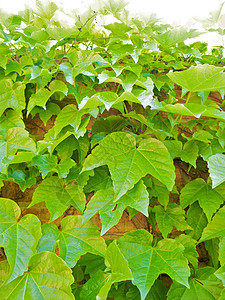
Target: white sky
[(175, 12)]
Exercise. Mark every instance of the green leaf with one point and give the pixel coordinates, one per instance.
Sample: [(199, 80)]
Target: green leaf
[(74, 239), (49, 163), (158, 190), (42, 95), (11, 96), (104, 98), (190, 251), (9, 120), (14, 236), (209, 199), (82, 62), (128, 164), (100, 180), (212, 246), (4, 271), (189, 153), (222, 251), (69, 115), (110, 211), (220, 273), (16, 139), (197, 219), (146, 262), (216, 228), (100, 283), (48, 277), (216, 164), (200, 78), (46, 114), (204, 285), (58, 197), (174, 215), (174, 36)]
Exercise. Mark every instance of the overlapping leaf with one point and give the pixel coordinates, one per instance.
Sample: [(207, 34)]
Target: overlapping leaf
[(48, 277), (73, 240), (110, 212), (99, 285), (209, 199)]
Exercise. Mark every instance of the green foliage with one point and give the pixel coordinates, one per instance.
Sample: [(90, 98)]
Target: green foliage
[(114, 123)]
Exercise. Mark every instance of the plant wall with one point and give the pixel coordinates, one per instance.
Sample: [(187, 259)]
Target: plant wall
[(106, 121)]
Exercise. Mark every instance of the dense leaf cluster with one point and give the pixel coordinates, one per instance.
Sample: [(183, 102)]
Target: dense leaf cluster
[(131, 120)]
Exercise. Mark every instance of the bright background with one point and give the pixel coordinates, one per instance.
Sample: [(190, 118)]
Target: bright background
[(175, 12)]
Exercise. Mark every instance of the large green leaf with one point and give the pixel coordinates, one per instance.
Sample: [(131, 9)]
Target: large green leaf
[(216, 228), (174, 215), (58, 197), (19, 238), (209, 199), (48, 278), (16, 139), (110, 211), (73, 240), (11, 95), (128, 163), (204, 285), (146, 262), (99, 285), (200, 78), (216, 164)]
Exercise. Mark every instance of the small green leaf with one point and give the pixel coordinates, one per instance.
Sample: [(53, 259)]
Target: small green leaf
[(197, 219), (189, 153), (42, 95), (173, 216), (190, 251), (216, 228), (14, 236), (48, 277), (69, 115), (209, 199), (49, 163), (58, 196)]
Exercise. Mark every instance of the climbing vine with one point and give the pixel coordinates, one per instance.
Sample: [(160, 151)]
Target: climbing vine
[(102, 122)]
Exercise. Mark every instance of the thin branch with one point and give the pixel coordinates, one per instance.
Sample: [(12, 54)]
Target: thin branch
[(75, 40)]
